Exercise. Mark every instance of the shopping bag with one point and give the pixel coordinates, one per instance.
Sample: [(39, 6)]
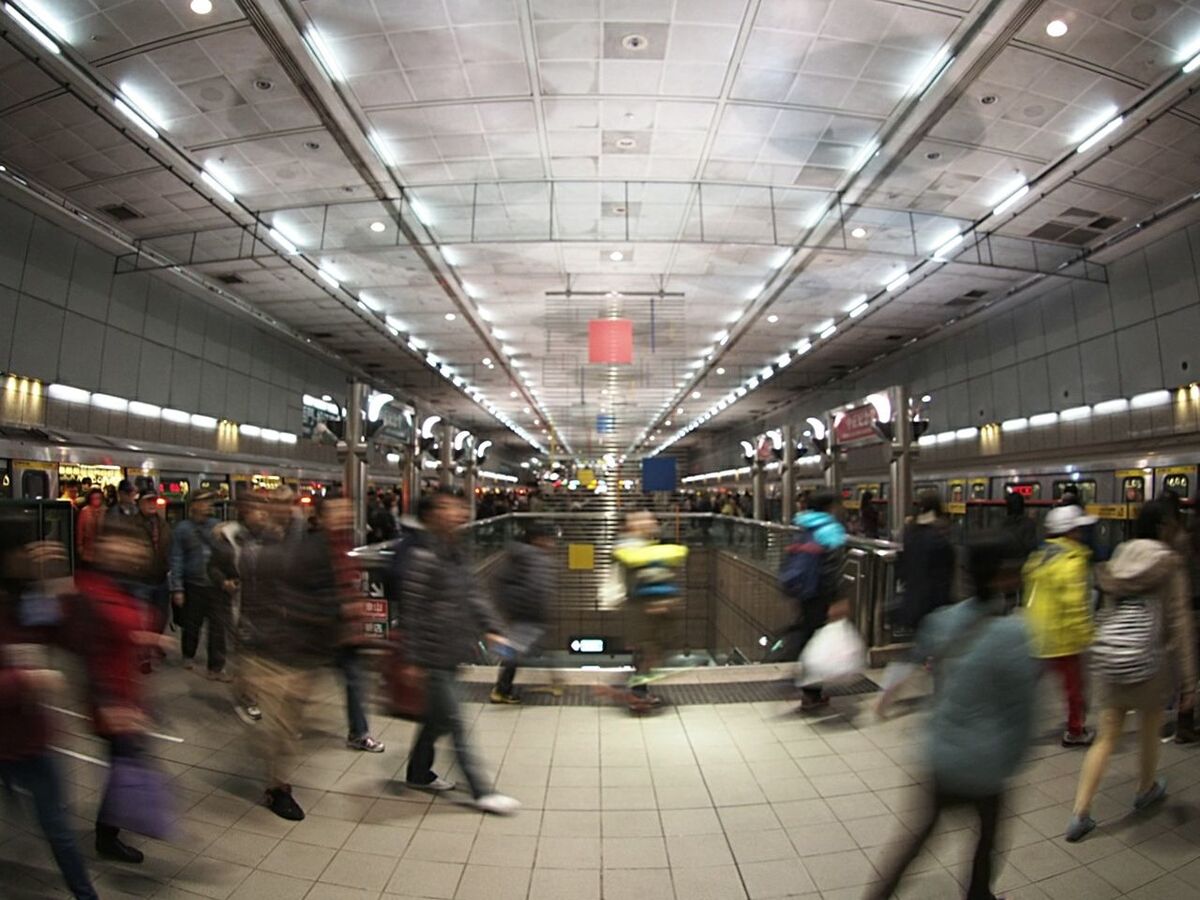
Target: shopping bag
[(835, 653), (138, 798), (406, 686)]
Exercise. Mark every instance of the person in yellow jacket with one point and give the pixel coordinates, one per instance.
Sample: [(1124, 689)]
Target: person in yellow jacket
[(1058, 611)]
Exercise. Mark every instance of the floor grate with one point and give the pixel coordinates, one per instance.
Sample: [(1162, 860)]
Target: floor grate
[(675, 694)]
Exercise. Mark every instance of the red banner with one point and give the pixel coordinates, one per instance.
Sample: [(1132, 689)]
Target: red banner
[(610, 341), (854, 425)]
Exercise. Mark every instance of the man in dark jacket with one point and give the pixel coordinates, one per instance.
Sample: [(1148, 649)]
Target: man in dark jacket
[(193, 591), (525, 588), (443, 611), (153, 525)]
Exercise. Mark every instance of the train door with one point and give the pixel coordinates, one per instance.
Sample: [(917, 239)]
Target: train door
[(175, 489), (6, 479), (34, 480), (1180, 480)]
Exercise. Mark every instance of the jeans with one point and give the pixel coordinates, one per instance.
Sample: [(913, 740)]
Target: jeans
[(347, 661), (504, 681), (1070, 669), (205, 603), (39, 775), (810, 617), (988, 810), (442, 716)]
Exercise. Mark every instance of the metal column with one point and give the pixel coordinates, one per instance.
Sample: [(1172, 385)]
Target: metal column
[(788, 486), (833, 475), (412, 467), (447, 455), (758, 482), (356, 459), (900, 466), (469, 478)]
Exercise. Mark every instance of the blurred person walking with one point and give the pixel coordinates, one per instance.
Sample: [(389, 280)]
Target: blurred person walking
[(192, 590), (926, 568), (443, 611), (524, 587), (118, 629), (1057, 590), (87, 526), (982, 717), (1145, 645), (27, 684), (289, 620), (811, 577)]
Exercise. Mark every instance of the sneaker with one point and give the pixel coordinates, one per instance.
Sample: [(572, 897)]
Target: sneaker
[(498, 696), (247, 712), (219, 675), (1152, 795), (1079, 827), (497, 804), (1083, 739), (807, 705), (366, 742), (439, 785), (280, 801)]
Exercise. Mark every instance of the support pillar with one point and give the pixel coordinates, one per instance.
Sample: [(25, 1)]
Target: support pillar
[(447, 455), (833, 474), (469, 479), (900, 465), (412, 467), (758, 483), (355, 452), (788, 481)]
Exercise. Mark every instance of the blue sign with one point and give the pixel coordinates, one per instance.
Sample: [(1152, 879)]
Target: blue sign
[(658, 474), (606, 423)]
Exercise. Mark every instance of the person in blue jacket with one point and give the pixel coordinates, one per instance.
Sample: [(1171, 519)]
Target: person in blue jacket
[(983, 712)]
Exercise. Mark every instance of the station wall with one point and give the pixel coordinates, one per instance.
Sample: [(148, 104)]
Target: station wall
[(65, 317)]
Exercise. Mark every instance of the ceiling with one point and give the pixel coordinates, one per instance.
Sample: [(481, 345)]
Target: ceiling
[(484, 177)]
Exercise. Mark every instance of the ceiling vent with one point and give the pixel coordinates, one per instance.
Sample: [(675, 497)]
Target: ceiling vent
[(1077, 212), (1105, 222), (231, 278), (894, 337), (322, 334), (121, 212)]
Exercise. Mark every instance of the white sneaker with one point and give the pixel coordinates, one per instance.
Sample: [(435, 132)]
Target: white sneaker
[(497, 804), (439, 785)]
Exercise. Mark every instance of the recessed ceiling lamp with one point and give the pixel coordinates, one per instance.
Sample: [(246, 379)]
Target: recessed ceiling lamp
[(772, 318), (720, 370), (858, 232), (487, 360), (616, 256), (512, 394), (1056, 28), (201, 7), (695, 395), (450, 317), (377, 227)]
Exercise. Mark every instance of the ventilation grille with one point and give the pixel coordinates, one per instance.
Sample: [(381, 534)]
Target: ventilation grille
[(121, 212), (231, 278)]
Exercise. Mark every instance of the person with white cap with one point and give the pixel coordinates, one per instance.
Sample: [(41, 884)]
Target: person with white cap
[(1057, 608)]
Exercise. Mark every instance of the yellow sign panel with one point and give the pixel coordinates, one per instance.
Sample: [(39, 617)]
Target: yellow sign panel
[(266, 482), (101, 476), (581, 556), (1108, 510), (1130, 473), (586, 477), (956, 509), (1177, 470)]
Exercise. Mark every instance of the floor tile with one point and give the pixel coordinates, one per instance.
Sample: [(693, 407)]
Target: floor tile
[(839, 870), (367, 871), (690, 821), (322, 831), (776, 878), (711, 883), (271, 886), (816, 840), (494, 883), (634, 853), (383, 839), (243, 847), (1127, 870), (424, 878), (761, 846), (503, 850), (298, 860), (759, 817), (565, 884), (569, 852), (689, 851), (637, 884)]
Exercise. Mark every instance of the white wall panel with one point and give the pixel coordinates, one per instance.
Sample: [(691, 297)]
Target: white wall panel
[(36, 335), (48, 263), (15, 225)]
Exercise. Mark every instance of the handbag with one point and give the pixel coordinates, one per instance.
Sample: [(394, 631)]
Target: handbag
[(406, 685), (835, 652), (137, 798)]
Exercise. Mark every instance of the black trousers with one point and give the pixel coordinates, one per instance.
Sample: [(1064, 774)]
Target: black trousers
[(810, 617), (504, 681), (988, 810), (204, 603)]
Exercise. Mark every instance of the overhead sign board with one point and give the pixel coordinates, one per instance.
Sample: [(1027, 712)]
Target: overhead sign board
[(857, 425)]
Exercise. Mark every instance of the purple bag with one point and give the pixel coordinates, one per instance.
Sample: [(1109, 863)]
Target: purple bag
[(137, 798)]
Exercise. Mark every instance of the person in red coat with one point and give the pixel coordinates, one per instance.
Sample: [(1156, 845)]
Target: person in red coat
[(118, 629)]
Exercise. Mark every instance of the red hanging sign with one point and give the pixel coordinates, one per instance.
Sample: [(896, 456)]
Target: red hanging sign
[(854, 425), (610, 341)]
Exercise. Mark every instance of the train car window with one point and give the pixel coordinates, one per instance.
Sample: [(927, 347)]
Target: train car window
[(1030, 490), (1085, 488), (1133, 489), (6, 480), (35, 484), (957, 492), (927, 488), (1179, 483), (979, 490)]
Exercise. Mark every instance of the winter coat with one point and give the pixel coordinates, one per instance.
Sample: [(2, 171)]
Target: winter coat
[(984, 697), (1151, 568), (927, 568), (1057, 598), (827, 531), (443, 611), (191, 550), (526, 583)]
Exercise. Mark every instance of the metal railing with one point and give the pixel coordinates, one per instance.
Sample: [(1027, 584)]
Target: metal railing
[(730, 610)]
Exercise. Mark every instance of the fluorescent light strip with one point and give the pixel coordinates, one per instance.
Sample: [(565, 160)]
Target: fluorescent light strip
[(211, 180), (934, 70), (945, 437), (287, 437), (864, 156), (380, 147), (148, 410), (1191, 65), (288, 247), (207, 422), (940, 252), (67, 393), (1043, 419), (1010, 200), (178, 416), (1075, 413), (328, 279), (963, 434), (1014, 424), (859, 310), (324, 56), (109, 402), (1105, 130), (250, 430), (35, 31), (897, 283), (828, 332), (803, 347), (1107, 407), (135, 117), (1153, 398)]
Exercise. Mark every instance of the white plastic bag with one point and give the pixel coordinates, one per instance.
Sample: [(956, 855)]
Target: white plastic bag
[(835, 653)]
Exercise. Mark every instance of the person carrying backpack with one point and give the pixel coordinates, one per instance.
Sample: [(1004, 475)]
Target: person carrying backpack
[(810, 576), (1145, 644), (1058, 609)]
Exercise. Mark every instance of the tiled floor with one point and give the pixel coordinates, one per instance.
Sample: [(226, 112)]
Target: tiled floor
[(723, 802)]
